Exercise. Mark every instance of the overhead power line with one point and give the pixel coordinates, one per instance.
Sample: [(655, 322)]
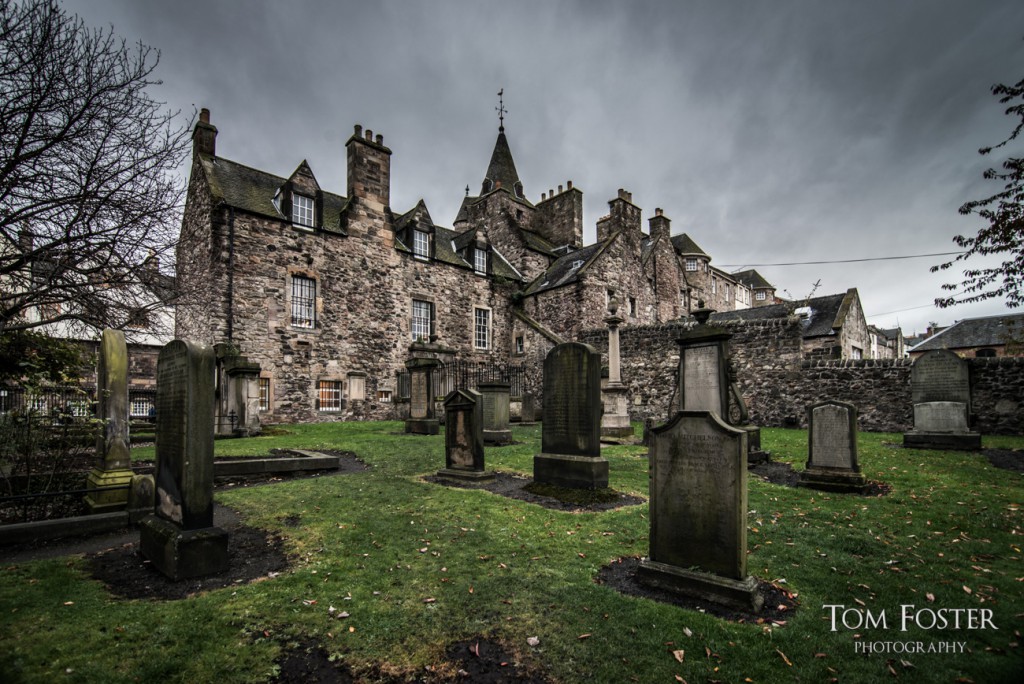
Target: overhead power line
[(842, 261)]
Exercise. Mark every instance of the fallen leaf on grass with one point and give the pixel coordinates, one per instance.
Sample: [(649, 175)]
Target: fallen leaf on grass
[(475, 650), (687, 631), (584, 636), (679, 655), (930, 596), (429, 600), (679, 679), (533, 641), (967, 589), (784, 658)]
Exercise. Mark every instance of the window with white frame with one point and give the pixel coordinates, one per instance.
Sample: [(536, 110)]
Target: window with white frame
[(264, 385), (520, 345), (329, 394), (303, 210), (479, 260), (856, 353), (421, 244), (760, 295), (714, 285), (303, 302), (691, 264), (422, 318), (481, 328), (384, 396), (139, 407)]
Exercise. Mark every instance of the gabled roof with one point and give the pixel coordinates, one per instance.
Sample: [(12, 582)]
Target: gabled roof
[(565, 269), (684, 245), (989, 331), (824, 318), (891, 333), (253, 191), (752, 279)]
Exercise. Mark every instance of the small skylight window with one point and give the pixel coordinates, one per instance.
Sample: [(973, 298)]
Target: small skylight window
[(576, 264), (803, 311)]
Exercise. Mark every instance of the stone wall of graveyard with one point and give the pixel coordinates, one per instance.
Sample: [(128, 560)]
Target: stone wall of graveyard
[(778, 382)]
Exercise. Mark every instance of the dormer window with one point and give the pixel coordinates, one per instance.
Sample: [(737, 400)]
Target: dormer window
[(480, 259), (303, 210), (421, 244), (518, 187)]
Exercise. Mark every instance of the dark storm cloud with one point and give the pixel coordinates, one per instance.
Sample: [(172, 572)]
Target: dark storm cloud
[(770, 132)]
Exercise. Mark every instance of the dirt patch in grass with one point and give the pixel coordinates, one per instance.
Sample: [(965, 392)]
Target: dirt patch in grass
[(1008, 459), (253, 554), (556, 498), (620, 575), (478, 660), (783, 474)]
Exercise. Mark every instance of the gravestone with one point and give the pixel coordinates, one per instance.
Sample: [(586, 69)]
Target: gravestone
[(422, 418), (707, 380), (112, 467), (698, 504), (179, 538), (615, 421), (238, 394), (832, 449), (463, 437), (940, 388), (495, 400), (571, 432), (528, 412)]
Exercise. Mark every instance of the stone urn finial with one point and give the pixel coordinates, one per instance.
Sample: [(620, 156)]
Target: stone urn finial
[(613, 305), (702, 313)]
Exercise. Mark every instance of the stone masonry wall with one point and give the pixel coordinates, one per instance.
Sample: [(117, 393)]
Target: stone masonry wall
[(778, 384)]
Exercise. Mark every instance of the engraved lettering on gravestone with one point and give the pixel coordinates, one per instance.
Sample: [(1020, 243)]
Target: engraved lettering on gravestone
[(702, 389), (418, 408), (489, 405), (939, 376), (831, 437), (172, 422), (462, 446)]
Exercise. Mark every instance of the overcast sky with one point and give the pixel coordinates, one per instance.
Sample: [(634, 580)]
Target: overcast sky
[(770, 132)]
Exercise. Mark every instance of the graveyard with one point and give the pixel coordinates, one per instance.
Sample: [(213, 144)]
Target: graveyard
[(389, 576)]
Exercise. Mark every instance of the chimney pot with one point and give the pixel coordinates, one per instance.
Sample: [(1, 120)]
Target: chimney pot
[(658, 212), (559, 189), (204, 115), (359, 130), (380, 139), (369, 135), (543, 196), (569, 183)]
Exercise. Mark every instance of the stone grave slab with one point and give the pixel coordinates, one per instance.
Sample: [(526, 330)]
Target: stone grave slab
[(698, 503), (422, 412), (940, 388), (463, 437), (571, 431), (832, 449), (495, 398)]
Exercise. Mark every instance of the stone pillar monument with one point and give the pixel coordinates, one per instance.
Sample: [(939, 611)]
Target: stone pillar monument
[(463, 437), (422, 412), (179, 538), (615, 421), (113, 464)]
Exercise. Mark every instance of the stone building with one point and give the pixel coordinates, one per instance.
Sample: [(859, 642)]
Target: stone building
[(987, 336), (327, 291)]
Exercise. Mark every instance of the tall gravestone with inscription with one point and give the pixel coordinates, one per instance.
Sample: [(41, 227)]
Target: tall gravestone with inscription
[(707, 379), (495, 398), (698, 490), (571, 431), (463, 437), (940, 388), (179, 538), (832, 449), (422, 418), (111, 474)]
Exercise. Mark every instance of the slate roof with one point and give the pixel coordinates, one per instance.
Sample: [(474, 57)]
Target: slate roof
[(989, 331), (565, 270), (892, 333), (685, 245), (752, 279), (251, 190), (824, 317)]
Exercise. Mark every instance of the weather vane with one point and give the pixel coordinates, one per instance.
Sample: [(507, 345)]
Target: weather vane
[(501, 110)]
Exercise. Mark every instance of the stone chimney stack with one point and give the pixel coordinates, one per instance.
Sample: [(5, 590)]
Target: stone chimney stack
[(660, 225), (622, 215), (369, 170), (204, 135)]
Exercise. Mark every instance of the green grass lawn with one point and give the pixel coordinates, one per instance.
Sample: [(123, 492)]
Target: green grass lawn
[(419, 566)]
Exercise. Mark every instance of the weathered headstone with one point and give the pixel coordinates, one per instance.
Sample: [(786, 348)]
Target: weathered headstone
[(698, 504), (707, 380), (463, 437), (112, 467), (422, 412), (495, 399), (571, 433), (615, 421), (238, 394), (832, 448), (940, 388), (180, 538), (528, 412)]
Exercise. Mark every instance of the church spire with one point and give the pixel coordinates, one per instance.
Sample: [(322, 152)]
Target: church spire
[(501, 172)]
